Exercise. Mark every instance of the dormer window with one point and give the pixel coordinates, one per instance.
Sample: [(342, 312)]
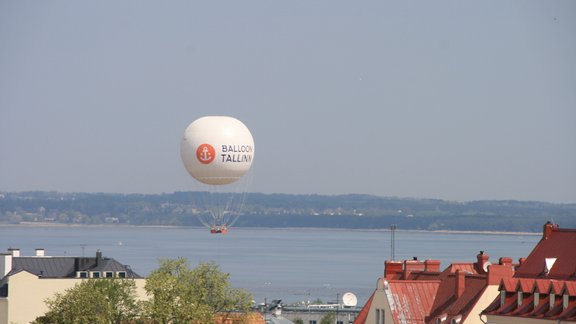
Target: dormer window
[(441, 319)]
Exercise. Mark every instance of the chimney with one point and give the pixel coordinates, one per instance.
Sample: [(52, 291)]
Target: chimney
[(548, 229), (505, 261), (432, 265), (392, 269), (40, 252), (460, 283), (482, 259), (98, 257), (411, 266), (498, 272), (5, 264), (15, 252), (521, 261)]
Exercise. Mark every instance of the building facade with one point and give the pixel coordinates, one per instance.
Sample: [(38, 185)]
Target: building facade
[(27, 281)]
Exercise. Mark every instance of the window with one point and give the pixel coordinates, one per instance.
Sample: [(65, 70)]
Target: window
[(312, 322), (565, 301), (520, 295), (502, 297), (95, 274), (552, 300), (379, 316), (536, 299), (82, 274), (121, 274), (109, 274)]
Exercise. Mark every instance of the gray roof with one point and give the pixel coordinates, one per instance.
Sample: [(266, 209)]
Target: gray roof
[(66, 267)]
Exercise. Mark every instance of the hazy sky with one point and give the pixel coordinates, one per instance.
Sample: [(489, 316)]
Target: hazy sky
[(456, 100)]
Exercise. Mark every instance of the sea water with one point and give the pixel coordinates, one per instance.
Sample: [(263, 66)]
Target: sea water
[(289, 264)]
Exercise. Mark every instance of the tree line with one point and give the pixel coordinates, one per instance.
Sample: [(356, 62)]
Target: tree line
[(283, 210)]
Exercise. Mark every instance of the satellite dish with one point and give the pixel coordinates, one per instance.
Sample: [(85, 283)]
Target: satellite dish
[(349, 299), (486, 265)]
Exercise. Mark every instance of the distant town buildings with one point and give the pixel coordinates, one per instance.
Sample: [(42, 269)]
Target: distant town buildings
[(27, 281)]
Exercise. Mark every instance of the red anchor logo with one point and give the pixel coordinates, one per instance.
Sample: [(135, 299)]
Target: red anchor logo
[(205, 153)]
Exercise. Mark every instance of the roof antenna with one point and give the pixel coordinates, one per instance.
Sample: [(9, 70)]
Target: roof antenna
[(392, 241)]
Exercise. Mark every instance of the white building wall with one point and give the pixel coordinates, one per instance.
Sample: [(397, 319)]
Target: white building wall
[(488, 296), (5, 264), (27, 294), (379, 302)]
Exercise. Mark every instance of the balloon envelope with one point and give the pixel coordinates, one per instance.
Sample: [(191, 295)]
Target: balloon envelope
[(217, 150)]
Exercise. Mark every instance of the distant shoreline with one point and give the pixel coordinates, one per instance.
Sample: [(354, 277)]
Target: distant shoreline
[(46, 224)]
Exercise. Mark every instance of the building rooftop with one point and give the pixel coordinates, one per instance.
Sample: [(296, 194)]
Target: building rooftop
[(544, 286), (418, 292), (553, 257), (411, 301), (63, 267)]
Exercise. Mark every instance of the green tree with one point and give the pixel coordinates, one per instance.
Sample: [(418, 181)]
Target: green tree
[(180, 294), (94, 301), (329, 318)]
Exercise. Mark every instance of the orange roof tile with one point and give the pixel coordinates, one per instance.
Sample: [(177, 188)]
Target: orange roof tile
[(509, 284), (411, 300), (525, 285), (556, 287), (541, 286), (467, 267), (569, 288)]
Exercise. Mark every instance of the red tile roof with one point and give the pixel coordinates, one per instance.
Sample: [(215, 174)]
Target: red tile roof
[(475, 286), (411, 300), (421, 295), (467, 267), (525, 285), (554, 282), (570, 288), (560, 244), (541, 286)]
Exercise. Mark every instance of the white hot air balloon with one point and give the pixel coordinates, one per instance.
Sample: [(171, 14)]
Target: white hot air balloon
[(218, 151)]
